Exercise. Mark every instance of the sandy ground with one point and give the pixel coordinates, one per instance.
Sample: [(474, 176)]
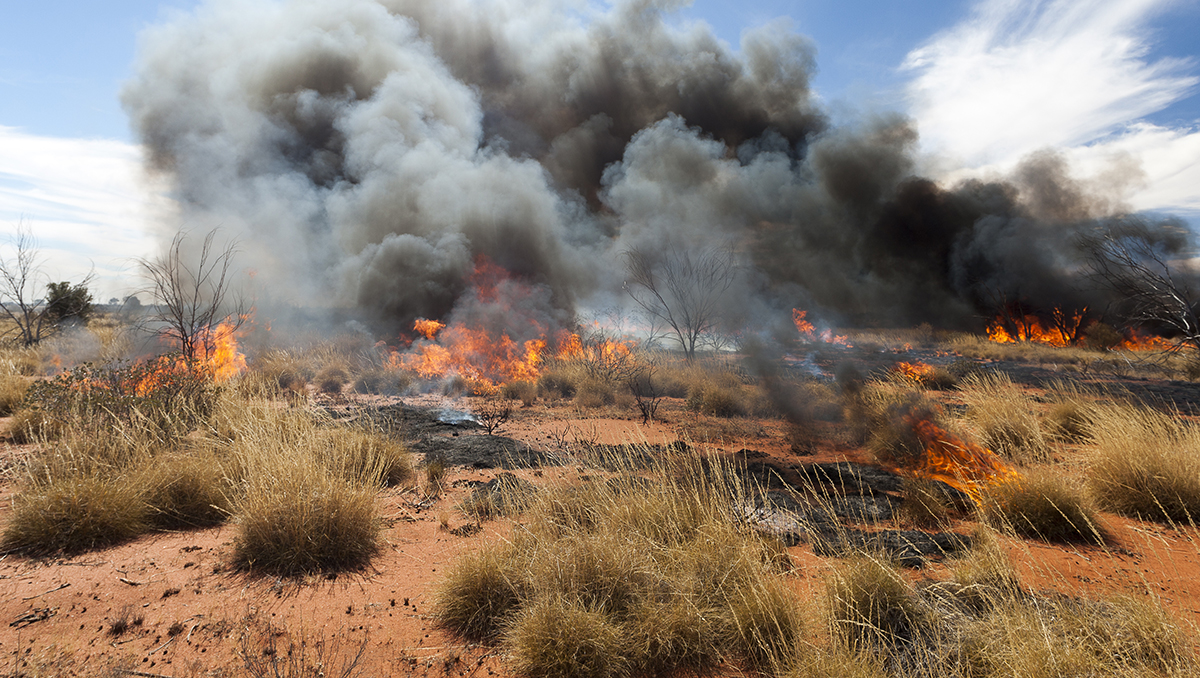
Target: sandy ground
[(190, 614)]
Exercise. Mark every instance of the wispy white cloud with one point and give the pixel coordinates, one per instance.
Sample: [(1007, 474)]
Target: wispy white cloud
[(86, 201), (1022, 75)]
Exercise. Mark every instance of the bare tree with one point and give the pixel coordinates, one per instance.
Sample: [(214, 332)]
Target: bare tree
[(1139, 269), (192, 294), (20, 279), (682, 290)]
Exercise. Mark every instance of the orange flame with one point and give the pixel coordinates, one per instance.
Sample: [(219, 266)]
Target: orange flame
[(917, 372), (960, 464), (1137, 341), (808, 331), (428, 328)]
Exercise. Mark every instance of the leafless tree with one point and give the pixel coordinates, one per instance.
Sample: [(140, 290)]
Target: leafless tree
[(681, 289), (193, 294), (20, 279), (1154, 289)]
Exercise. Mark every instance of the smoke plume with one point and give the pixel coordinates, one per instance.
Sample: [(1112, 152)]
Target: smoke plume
[(366, 153)]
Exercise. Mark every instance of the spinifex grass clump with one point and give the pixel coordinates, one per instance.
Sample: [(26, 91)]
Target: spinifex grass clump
[(611, 578), (1001, 411), (1146, 464), (1043, 505)]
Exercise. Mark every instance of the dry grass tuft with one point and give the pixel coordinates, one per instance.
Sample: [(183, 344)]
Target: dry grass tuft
[(663, 562), (12, 392), (186, 489), (301, 520), (1043, 505), (1002, 413), (75, 515), (1146, 464), (872, 606)]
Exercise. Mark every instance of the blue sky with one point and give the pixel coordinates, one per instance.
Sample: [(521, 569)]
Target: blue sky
[(986, 80)]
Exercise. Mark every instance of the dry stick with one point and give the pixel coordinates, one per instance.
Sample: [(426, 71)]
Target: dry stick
[(145, 674), (130, 581), (57, 588), (169, 641)]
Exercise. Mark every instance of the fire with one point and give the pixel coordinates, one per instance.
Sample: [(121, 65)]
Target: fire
[(960, 464), (917, 372), (489, 357), (1029, 328), (217, 353), (808, 332), (1143, 342), (428, 328)]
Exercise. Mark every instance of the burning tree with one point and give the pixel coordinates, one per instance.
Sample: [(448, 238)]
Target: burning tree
[(1145, 272), (195, 307), (682, 289)]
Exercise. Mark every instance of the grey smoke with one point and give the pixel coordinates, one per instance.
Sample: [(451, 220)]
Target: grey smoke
[(367, 152)]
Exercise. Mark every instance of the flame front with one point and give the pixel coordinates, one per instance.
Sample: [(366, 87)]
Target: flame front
[(960, 464), (808, 332)]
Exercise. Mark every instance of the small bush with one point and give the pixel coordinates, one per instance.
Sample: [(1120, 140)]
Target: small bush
[(286, 371), (331, 379), (363, 457), (302, 521), (1099, 336), (73, 515), (33, 424), (1043, 505), (12, 392), (558, 383), (525, 391), (927, 503), (595, 392), (560, 638), (716, 400), (186, 490), (480, 593), (1001, 411)]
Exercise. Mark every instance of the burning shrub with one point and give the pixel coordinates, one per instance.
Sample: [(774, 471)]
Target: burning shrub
[(162, 393), (299, 520), (1146, 464), (1000, 409), (1043, 505)]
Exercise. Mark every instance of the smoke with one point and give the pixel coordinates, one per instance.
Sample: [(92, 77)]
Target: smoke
[(366, 153)]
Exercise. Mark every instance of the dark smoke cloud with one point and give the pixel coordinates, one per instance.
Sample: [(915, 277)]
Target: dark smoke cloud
[(366, 152)]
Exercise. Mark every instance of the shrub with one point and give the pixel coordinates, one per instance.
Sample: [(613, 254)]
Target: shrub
[(481, 591), (1043, 505), (73, 515), (1099, 336), (363, 457), (525, 391), (331, 379), (557, 383), (12, 392), (1146, 464), (300, 520), (594, 392), (286, 371)]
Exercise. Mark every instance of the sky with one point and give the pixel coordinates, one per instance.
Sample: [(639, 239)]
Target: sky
[(1114, 85)]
